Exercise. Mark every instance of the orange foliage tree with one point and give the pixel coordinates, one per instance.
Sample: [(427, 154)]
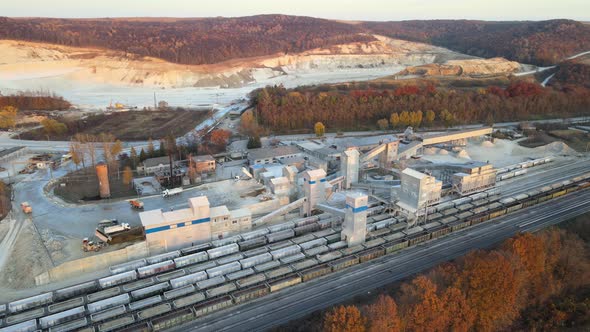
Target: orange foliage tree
[(382, 315), (344, 319)]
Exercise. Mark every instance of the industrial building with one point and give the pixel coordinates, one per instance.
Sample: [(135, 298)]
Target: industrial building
[(354, 228), (272, 155), (204, 164), (156, 165), (418, 190), (199, 223), (474, 177)]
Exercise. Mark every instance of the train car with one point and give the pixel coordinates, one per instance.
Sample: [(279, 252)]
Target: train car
[(278, 272), (141, 283), (279, 245), (178, 292), (280, 236), (479, 218), (226, 241), (202, 267), (304, 264), (73, 325), (374, 243), (62, 317), (266, 266), (292, 258), (108, 313), (497, 213), (115, 324), (170, 275), (465, 215), (150, 290), (309, 228), (530, 203), (460, 224), (583, 185), (285, 282), (109, 292), (333, 238), (108, 303), (352, 250), (284, 252), (370, 254), (303, 238), (252, 243), (306, 221), (210, 306), (230, 259), (154, 311), (239, 274), (223, 251), (315, 272), (444, 206), (255, 252), (191, 259), (571, 189), (196, 249), (256, 260), (117, 279), (128, 266), (480, 209), (224, 269), (316, 251), (435, 216), (396, 245), (150, 301), (439, 231), (513, 208), (324, 233), (168, 321), (28, 326), (140, 327), (66, 305), (450, 212), (154, 269), (558, 194), (76, 290), (212, 282), (328, 257), (251, 280), (25, 316), (188, 300), (545, 198), (30, 302), (281, 227), (384, 223), (313, 243), (254, 234), (163, 257), (344, 262), (338, 245), (250, 293), (221, 290)]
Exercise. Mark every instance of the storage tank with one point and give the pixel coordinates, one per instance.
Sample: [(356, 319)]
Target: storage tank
[(102, 172)]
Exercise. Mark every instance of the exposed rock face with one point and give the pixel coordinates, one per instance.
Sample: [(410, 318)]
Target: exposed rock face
[(469, 67), (25, 60)]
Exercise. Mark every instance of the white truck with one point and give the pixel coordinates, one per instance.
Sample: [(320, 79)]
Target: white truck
[(171, 192), (117, 228)]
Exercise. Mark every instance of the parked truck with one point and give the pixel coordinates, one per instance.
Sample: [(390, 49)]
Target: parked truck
[(136, 204), (117, 228), (26, 207), (105, 233), (171, 192)]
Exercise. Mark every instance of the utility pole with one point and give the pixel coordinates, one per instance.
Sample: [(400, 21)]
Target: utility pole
[(155, 103)]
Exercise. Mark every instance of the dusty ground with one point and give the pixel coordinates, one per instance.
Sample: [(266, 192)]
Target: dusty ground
[(136, 125), (576, 139), (83, 185), (500, 153), (465, 67)]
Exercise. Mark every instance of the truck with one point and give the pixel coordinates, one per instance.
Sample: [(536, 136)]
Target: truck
[(88, 245), (117, 228), (107, 222), (171, 192), (26, 207), (136, 204)]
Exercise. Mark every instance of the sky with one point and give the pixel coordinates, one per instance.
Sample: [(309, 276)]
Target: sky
[(369, 10)]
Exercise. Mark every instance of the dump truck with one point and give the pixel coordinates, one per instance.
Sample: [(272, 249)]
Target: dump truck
[(105, 233), (26, 207), (88, 245), (116, 229), (136, 204), (171, 192)]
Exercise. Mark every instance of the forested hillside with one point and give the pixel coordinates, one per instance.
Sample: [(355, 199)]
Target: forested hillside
[(541, 43), (281, 110), (188, 41), (212, 40)]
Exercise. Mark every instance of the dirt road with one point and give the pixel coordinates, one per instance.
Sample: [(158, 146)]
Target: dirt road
[(10, 239)]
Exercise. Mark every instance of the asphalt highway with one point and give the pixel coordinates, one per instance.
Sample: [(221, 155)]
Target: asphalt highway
[(298, 301)]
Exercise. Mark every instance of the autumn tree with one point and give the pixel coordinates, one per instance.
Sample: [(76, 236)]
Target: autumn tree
[(394, 120), (383, 124), (319, 129), (429, 118), (8, 117), (404, 119), (162, 148), (344, 319), (77, 153), (53, 127), (382, 315), (127, 175), (447, 117), (491, 286), (456, 311), (423, 306), (220, 137), (151, 152)]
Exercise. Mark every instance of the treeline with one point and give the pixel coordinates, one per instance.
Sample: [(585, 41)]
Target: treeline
[(540, 43), (188, 41), (571, 73), (282, 110), (35, 101), (531, 283)]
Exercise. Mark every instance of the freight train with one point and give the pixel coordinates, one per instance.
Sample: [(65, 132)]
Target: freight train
[(167, 290)]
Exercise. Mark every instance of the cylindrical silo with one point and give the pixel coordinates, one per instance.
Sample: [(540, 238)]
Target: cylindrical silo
[(102, 172)]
